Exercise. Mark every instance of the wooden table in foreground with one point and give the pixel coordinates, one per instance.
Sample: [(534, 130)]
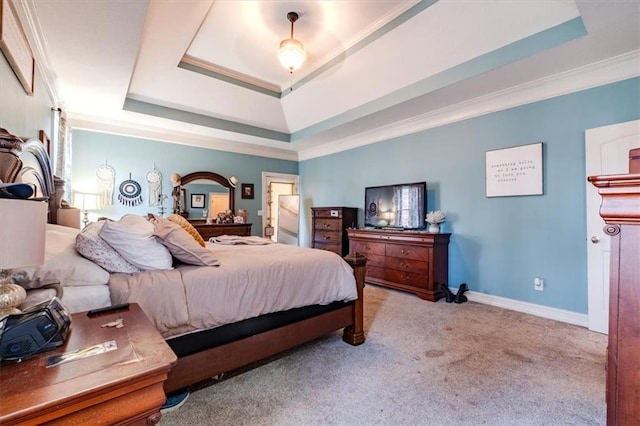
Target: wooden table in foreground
[(122, 386)]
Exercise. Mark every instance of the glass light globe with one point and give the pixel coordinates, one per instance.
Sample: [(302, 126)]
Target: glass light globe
[(291, 54)]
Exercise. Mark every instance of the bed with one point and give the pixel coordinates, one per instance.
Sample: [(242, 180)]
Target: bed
[(215, 318)]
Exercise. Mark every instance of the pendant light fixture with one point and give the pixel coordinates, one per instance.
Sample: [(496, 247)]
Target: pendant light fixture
[(291, 53)]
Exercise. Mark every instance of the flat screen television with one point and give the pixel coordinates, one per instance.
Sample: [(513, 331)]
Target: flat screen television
[(400, 206)]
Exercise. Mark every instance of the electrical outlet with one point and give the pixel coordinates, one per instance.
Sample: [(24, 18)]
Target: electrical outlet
[(259, 212), (538, 284)]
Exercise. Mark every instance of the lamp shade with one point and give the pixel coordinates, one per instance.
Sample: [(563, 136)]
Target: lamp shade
[(291, 54), (22, 232), (86, 201)]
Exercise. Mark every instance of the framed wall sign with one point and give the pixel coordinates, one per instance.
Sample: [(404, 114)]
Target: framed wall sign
[(197, 201), (514, 171), (15, 46)]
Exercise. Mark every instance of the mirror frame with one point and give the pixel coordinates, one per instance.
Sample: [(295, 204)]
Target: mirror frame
[(214, 177)]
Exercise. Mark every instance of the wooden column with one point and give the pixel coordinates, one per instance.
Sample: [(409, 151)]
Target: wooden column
[(620, 210), (354, 334)]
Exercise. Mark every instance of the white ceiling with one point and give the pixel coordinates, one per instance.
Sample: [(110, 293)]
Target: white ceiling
[(205, 73)]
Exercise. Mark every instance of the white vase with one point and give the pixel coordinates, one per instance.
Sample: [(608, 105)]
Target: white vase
[(434, 228)]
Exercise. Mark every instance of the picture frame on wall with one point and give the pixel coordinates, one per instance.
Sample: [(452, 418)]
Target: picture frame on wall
[(247, 191), (15, 46), (515, 171), (197, 201)]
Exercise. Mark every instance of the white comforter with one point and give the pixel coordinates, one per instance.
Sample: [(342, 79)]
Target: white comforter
[(251, 280)]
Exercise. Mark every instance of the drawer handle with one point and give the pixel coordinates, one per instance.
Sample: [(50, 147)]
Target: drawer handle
[(326, 225), (324, 237), (405, 252), (405, 265), (405, 278)]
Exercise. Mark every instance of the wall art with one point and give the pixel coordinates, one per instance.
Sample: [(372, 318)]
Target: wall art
[(15, 46), (247, 191), (514, 171)]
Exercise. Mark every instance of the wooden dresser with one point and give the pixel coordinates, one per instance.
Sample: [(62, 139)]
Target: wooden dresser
[(329, 228), (417, 262), (215, 230), (620, 210)]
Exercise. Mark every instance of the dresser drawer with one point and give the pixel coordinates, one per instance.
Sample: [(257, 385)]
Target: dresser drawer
[(328, 224), (336, 248), (407, 252), (406, 278), (375, 272), (407, 265), (366, 248), (319, 213), (375, 260), (328, 237)]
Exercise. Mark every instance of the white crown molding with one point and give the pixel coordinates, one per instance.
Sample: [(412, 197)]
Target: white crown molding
[(125, 128), (597, 74), (29, 19), (556, 314)]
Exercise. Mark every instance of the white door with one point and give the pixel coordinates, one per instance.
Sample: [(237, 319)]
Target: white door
[(218, 202), (607, 152)]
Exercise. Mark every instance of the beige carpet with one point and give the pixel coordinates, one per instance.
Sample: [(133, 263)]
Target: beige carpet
[(423, 364)]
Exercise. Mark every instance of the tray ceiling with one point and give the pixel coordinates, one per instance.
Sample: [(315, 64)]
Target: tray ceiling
[(206, 73)]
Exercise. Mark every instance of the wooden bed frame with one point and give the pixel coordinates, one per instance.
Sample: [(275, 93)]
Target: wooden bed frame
[(208, 363), (221, 359)]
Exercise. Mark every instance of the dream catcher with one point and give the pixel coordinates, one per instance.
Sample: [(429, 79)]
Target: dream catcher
[(130, 192), (106, 181), (154, 187)]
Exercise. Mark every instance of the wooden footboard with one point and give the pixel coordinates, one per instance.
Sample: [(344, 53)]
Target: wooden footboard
[(208, 363)]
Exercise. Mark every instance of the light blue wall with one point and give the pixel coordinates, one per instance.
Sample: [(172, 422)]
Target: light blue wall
[(138, 156), (21, 114), (500, 244)]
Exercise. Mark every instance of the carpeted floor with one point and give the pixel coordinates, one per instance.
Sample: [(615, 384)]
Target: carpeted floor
[(423, 364)]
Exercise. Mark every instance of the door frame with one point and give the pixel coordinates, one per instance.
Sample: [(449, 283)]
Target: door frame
[(267, 178), (597, 285)]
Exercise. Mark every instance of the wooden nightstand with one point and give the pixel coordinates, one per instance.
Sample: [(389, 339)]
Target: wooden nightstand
[(123, 386)]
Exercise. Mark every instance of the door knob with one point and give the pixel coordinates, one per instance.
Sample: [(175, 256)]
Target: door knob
[(595, 240)]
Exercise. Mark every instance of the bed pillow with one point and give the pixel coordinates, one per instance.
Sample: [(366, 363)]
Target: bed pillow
[(90, 244), (62, 263), (184, 223), (132, 237), (182, 245)]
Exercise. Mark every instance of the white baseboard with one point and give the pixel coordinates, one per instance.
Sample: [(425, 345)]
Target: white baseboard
[(562, 315)]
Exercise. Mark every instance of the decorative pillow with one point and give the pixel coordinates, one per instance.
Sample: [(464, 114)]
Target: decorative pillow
[(93, 247), (184, 223), (182, 246), (62, 263), (132, 237)]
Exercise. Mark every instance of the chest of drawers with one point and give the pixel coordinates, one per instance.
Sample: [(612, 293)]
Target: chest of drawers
[(411, 261), (329, 228)]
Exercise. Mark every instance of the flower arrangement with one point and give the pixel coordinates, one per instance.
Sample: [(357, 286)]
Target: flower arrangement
[(435, 217)]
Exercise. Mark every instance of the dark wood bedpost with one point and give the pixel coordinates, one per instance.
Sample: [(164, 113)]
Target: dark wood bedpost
[(354, 334)]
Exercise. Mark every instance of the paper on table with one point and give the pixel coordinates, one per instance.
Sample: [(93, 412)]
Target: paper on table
[(100, 348)]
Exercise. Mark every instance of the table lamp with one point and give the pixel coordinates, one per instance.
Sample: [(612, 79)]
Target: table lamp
[(85, 201), (22, 238)]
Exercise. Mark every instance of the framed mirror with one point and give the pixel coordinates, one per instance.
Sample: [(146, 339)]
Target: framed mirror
[(216, 188)]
